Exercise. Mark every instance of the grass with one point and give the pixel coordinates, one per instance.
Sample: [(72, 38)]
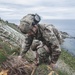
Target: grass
[(2, 57), (43, 70), (62, 73), (68, 58), (5, 50)]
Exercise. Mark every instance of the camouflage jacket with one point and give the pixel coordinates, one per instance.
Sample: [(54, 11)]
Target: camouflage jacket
[(46, 33)]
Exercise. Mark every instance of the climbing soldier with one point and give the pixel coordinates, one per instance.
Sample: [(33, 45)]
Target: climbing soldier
[(48, 46)]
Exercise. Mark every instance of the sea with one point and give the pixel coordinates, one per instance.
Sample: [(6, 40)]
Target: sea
[(65, 25)]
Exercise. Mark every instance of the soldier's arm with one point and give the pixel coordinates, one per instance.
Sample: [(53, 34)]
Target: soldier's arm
[(26, 44)]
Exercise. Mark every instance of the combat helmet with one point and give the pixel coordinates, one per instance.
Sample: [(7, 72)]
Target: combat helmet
[(28, 21)]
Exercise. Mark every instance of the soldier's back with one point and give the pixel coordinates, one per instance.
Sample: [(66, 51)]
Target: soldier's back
[(48, 34)]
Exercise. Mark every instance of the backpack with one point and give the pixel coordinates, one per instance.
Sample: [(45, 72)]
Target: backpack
[(50, 33)]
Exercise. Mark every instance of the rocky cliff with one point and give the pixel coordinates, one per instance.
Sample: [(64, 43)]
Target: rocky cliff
[(10, 40)]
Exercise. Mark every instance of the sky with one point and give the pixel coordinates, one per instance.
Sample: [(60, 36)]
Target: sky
[(14, 10)]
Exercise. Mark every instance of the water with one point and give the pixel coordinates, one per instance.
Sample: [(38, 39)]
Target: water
[(66, 26)]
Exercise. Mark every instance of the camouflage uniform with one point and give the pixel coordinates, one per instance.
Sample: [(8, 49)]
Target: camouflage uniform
[(50, 37), (42, 55)]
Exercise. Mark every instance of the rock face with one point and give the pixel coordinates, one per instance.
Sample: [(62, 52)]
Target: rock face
[(10, 40), (66, 35), (9, 34), (14, 38)]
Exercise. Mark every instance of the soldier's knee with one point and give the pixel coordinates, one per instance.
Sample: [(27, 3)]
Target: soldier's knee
[(57, 51)]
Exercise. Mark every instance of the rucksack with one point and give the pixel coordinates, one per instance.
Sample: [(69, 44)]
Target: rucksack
[(50, 33)]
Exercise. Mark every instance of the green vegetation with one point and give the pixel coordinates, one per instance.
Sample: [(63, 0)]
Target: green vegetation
[(62, 73), (68, 58), (43, 70), (2, 53), (6, 50), (2, 56)]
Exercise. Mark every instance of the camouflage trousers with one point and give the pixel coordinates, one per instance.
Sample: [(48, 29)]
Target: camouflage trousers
[(46, 55)]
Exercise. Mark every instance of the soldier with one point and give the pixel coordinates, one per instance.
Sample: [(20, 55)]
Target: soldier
[(42, 32)]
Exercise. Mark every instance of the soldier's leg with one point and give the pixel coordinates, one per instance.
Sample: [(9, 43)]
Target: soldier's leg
[(43, 55), (36, 44), (56, 51)]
